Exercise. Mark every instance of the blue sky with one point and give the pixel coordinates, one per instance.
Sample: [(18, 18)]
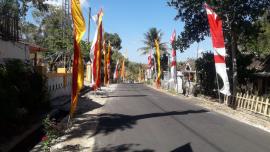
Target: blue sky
[(131, 18)]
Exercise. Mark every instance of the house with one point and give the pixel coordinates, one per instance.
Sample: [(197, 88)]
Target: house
[(259, 82), (20, 50)]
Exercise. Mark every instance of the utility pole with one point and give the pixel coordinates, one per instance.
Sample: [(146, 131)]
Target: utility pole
[(89, 19)]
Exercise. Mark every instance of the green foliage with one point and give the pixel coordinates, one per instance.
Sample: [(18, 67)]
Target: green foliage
[(22, 90), (261, 44), (238, 19), (132, 70), (207, 74), (53, 32), (29, 31), (85, 49), (115, 41), (20, 7), (244, 73), (52, 131), (149, 41)]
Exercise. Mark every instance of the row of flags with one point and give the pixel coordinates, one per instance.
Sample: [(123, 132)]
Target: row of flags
[(98, 45), (215, 24)]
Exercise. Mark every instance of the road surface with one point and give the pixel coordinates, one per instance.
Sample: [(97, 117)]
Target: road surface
[(140, 119)]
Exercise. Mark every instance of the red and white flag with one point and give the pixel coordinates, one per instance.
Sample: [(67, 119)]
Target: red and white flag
[(173, 64), (215, 24), (115, 74)]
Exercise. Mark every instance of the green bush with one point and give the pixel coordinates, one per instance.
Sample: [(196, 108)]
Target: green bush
[(22, 90)]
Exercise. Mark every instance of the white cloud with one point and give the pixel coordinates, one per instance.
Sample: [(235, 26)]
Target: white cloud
[(54, 2), (84, 3)]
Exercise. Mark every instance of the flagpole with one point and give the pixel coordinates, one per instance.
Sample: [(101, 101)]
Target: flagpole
[(89, 18)]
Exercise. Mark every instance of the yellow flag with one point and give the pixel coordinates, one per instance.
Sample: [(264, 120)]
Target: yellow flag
[(77, 68), (158, 62)]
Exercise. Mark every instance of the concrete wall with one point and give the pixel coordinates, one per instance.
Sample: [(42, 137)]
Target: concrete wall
[(59, 84), (13, 50)]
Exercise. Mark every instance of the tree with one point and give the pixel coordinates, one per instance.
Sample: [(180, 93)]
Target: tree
[(238, 16), (115, 41), (53, 33), (19, 8), (149, 41), (261, 44), (132, 70), (29, 32), (207, 74), (85, 49)]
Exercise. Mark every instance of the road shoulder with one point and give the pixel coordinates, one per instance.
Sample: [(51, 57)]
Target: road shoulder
[(246, 117)]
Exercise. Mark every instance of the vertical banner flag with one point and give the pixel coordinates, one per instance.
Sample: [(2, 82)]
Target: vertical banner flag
[(173, 64), (108, 63), (123, 70), (105, 62), (97, 51), (92, 50), (158, 62), (149, 65), (215, 24), (77, 68), (115, 74)]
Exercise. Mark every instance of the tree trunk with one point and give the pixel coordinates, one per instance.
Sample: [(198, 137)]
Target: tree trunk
[(234, 67)]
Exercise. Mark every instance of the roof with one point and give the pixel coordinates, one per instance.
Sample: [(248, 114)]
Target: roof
[(33, 48), (260, 64)]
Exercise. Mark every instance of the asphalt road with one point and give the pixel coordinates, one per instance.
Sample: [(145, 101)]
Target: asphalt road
[(140, 119)]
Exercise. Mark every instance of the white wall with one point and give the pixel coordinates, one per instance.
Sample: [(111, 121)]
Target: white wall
[(13, 50), (56, 86)]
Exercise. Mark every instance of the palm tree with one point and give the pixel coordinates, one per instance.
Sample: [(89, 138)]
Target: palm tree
[(149, 41)]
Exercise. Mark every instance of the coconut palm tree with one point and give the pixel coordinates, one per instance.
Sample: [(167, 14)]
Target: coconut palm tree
[(149, 41)]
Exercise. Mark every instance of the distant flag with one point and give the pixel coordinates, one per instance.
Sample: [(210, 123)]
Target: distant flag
[(77, 68), (115, 75), (173, 64), (92, 50), (215, 24), (158, 62), (96, 49), (109, 63), (105, 62), (123, 70)]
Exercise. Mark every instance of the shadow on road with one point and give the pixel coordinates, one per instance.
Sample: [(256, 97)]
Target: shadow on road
[(125, 96), (108, 123), (184, 148), (132, 147), (121, 148)]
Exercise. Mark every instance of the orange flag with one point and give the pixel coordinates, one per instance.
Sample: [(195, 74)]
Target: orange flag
[(123, 70), (77, 71), (108, 63), (97, 52), (105, 63)]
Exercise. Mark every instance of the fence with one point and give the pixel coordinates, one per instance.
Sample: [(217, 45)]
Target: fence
[(253, 103), (59, 84), (9, 27)]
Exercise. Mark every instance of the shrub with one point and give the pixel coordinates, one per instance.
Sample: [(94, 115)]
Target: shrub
[(22, 90)]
